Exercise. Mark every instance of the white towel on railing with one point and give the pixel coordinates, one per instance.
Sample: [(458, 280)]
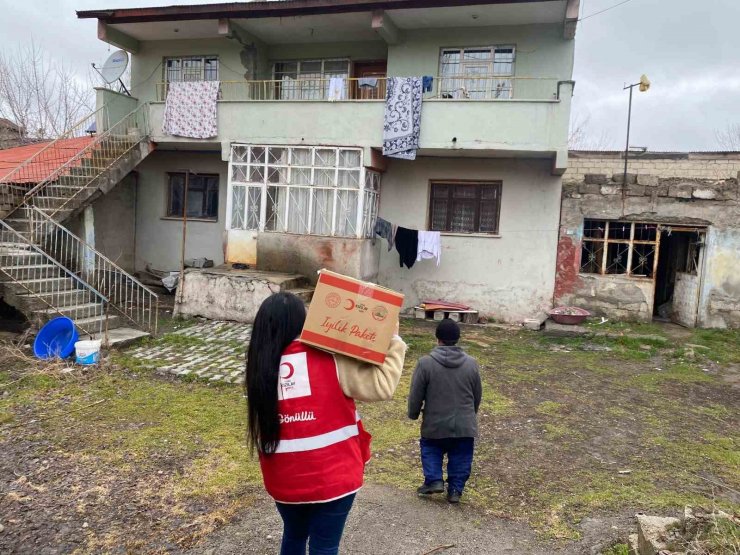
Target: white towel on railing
[(191, 109), (402, 124), (336, 88)]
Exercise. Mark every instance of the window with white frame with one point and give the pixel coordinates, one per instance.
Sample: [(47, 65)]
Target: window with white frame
[(307, 79), (191, 68), (304, 190), (477, 73)]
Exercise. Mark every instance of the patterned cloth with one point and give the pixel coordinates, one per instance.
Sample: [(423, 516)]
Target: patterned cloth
[(191, 109), (402, 124)]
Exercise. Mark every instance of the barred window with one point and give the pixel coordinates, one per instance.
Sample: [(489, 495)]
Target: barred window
[(191, 68), (465, 207), (305, 190), (616, 247)]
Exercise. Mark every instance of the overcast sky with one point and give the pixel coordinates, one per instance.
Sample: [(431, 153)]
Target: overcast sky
[(688, 49)]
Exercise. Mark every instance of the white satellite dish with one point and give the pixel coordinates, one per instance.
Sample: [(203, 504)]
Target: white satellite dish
[(114, 66)]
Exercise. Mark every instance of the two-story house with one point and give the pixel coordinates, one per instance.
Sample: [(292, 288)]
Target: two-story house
[(293, 177)]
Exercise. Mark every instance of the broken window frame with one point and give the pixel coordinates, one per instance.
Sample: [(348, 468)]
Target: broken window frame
[(631, 242), (319, 182), (208, 185)]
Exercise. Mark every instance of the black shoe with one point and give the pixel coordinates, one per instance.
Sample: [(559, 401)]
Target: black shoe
[(434, 487), (453, 496)]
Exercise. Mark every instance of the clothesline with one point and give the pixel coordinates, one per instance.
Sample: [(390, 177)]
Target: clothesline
[(412, 245)]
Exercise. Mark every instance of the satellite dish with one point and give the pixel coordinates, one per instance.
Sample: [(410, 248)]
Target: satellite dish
[(114, 66)]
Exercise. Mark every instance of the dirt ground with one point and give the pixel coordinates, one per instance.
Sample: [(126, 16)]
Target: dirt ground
[(576, 436)]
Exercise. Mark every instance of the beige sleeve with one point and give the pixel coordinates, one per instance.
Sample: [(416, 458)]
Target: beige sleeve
[(367, 382)]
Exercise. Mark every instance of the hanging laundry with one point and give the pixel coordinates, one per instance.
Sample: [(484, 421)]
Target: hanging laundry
[(336, 89), (429, 246), (191, 109), (402, 122), (371, 82), (427, 83), (407, 245), (384, 229)]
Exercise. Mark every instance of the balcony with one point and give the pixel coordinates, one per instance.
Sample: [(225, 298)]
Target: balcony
[(492, 115)]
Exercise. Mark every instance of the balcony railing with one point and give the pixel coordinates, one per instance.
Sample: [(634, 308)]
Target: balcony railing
[(451, 87)]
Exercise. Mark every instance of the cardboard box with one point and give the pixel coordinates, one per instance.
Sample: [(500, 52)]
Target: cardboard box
[(351, 317)]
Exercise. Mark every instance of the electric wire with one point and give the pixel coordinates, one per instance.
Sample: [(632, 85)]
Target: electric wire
[(604, 10)]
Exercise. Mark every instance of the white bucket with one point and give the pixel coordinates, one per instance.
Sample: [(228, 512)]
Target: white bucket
[(87, 352)]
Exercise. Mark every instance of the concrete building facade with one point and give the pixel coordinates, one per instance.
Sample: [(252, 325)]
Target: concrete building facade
[(493, 140), (664, 245)]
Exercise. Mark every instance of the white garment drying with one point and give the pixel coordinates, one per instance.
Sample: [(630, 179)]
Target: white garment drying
[(429, 246)]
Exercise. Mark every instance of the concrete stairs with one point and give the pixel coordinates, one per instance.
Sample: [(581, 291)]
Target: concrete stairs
[(40, 273), (42, 290)]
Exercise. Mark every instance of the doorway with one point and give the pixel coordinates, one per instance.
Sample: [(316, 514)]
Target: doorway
[(369, 80), (678, 275)]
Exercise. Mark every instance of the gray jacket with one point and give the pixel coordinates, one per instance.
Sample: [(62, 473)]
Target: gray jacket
[(446, 386)]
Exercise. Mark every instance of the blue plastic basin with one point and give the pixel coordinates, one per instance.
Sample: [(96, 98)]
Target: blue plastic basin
[(56, 339)]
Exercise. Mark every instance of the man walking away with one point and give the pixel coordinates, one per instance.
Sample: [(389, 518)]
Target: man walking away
[(447, 388)]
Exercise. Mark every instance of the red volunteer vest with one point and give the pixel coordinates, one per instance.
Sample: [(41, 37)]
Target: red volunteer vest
[(323, 447)]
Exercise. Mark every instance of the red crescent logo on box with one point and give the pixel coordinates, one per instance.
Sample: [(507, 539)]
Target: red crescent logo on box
[(291, 371), (351, 305), (333, 300)]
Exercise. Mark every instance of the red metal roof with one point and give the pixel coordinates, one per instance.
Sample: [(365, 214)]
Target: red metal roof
[(45, 163)]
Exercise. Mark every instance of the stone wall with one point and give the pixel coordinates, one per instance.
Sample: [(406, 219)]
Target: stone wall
[(662, 190), (697, 165)]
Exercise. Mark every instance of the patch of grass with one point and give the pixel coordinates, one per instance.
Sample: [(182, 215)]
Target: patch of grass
[(550, 408), (554, 432), (617, 549), (723, 345), (495, 403), (680, 372)]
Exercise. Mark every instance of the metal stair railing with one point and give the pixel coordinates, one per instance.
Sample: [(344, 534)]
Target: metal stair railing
[(125, 293), (68, 181), (49, 281), (42, 165)]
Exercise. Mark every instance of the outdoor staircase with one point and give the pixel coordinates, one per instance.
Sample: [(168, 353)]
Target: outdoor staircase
[(46, 270)]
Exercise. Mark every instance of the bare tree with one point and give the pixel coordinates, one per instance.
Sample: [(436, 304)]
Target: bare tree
[(580, 136), (728, 138), (41, 95)]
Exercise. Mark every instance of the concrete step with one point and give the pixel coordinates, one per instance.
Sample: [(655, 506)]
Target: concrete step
[(30, 268), (91, 324), (62, 298), (50, 284), (75, 312), (121, 337)]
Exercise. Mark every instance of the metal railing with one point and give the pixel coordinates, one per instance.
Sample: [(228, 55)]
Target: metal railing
[(449, 87), (81, 171), (55, 289), (44, 163), (124, 293)]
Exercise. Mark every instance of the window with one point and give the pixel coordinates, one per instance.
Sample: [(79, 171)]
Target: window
[(477, 73), (191, 68), (465, 207), (307, 79), (614, 247), (306, 190), (202, 195)]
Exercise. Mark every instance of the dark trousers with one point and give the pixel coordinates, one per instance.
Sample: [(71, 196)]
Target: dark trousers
[(459, 451), (318, 524)]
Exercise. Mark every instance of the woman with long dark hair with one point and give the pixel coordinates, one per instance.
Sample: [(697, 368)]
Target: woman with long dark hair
[(304, 424)]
